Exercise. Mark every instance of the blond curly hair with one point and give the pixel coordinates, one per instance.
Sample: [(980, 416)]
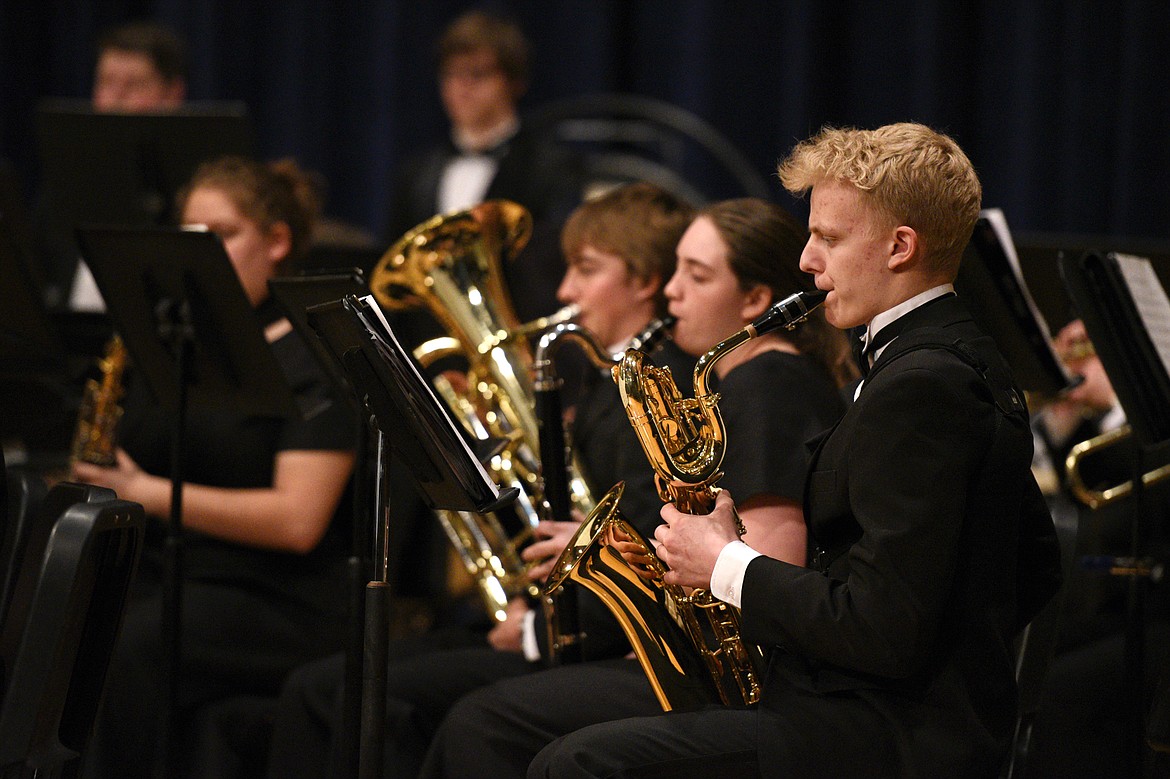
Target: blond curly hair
[(909, 173)]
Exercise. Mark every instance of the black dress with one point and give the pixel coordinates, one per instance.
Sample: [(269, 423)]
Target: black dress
[(249, 615)]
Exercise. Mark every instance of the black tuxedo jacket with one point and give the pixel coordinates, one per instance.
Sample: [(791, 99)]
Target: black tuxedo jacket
[(930, 547)]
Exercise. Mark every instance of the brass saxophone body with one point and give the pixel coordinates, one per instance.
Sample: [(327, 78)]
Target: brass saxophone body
[(94, 438), (688, 643)]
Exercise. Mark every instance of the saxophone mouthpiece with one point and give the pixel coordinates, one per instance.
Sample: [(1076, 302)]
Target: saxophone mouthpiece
[(788, 312)]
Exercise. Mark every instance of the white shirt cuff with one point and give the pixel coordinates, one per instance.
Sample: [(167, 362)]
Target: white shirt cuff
[(730, 569), (528, 637)]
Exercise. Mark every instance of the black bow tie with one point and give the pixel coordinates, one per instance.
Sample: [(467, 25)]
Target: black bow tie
[(864, 353), (857, 344)]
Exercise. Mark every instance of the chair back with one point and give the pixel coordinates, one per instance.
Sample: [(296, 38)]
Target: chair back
[(24, 493), (622, 138), (66, 610)]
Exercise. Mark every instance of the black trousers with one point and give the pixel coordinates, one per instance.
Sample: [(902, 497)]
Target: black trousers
[(601, 719), (236, 642), (497, 730), (425, 677)]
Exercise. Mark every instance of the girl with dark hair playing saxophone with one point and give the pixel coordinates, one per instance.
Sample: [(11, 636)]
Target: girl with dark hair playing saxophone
[(263, 511)]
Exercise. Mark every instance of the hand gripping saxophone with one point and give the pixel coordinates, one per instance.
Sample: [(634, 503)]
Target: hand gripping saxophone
[(690, 661)]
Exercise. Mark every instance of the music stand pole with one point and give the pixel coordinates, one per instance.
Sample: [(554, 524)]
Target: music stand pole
[(359, 573), (435, 451), (175, 329), (377, 632)]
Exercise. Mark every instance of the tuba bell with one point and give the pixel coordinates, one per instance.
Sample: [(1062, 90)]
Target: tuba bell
[(451, 265), (688, 643)]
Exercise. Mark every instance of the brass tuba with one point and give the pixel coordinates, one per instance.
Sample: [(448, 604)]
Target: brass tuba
[(451, 265), (688, 644)]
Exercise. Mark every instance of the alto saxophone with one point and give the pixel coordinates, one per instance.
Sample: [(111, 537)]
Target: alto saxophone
[(94, 438), (688, 662)]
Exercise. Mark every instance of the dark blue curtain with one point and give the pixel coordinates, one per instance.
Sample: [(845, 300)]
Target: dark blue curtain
[(1063, 107)]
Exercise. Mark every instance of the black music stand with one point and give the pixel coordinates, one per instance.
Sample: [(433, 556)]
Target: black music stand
[(416, 425), (296, 294), (124, 169), (990, 276), (32, 374), (178, 305), (1127, 316)]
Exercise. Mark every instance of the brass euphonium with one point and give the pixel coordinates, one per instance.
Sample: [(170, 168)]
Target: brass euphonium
[(451, 266), (97, 419), (689, 661)]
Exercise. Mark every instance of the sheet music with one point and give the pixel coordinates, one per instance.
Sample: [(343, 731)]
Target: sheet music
[(1151, 302), (371, 305), (999, 224), (995, 217)]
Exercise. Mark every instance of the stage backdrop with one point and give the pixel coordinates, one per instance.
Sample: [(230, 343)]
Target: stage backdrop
[(1064, 107)]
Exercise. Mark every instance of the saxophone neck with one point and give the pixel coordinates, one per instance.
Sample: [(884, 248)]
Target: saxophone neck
[(786, 314), (706, 363), (544, 365)]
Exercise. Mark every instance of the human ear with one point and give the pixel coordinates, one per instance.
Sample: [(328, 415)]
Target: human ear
[(904, 248), (756, 302), (647, 288), (279, 242)]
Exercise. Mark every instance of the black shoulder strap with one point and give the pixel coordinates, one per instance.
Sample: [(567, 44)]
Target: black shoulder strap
[(1005, 394)]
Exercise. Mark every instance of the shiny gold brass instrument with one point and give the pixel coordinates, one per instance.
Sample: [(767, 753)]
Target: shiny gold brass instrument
[(451, 266), (94, 437), (557, 475), (1097, 498), (683, 439)]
